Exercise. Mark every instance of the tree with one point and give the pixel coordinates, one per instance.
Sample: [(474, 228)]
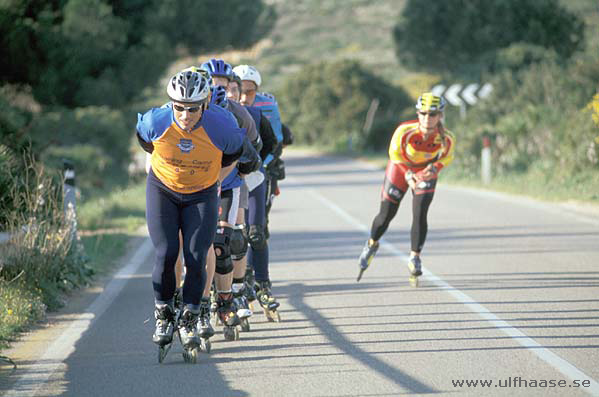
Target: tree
[(450, 35), (325, 104)]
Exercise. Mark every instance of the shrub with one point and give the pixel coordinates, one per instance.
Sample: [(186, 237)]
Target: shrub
[(325, 104)]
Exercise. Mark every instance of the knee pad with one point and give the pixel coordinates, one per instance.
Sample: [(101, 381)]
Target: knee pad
[(222, 249), (257, 237), (239, 243)]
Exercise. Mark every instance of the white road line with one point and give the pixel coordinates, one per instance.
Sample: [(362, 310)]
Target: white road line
[(543, 353), (52, 360)]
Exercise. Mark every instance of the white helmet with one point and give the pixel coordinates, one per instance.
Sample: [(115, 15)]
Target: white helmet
[(247, 72), (188, 86)]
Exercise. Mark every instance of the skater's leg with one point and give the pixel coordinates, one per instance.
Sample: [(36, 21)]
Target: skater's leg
[(381, 221), (198, 229), (420, 206), (162, 217)]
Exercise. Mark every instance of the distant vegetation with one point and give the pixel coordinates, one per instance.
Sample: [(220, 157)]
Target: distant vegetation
[(326, 103), (449, 36), (542, 58), (70, 71)]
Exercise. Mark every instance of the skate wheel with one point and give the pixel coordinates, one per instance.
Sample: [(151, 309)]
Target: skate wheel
[(206, 345), (162, 352), (276, 317), (272, 316), (245, 325), (190, 355), (231, 333), (414, 281)]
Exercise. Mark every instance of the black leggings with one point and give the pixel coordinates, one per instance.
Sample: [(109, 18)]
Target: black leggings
[(195, 214), (420, 205)]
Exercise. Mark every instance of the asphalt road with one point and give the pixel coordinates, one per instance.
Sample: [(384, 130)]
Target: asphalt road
[(510, 296)]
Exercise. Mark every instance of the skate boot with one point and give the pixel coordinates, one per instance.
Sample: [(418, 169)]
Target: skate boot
[(250, 284), (205, 328), (367, 255), (267, 301), (241, 303), (227, 314), (165, 327), (188, 332), (415, 267)]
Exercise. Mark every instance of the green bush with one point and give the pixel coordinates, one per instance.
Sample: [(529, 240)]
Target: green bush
[(325, 104), (538, 120), (95, 138)]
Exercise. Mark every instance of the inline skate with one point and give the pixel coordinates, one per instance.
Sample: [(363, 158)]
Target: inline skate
[(367, 255), (415, 267), (226, 313), (268, 301), (166, 318), (241, 303)]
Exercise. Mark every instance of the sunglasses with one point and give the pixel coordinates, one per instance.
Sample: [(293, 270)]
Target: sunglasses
[(191, 109), (431, 114)]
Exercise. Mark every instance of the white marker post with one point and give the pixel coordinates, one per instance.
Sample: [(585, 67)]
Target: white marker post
[(485, 161)]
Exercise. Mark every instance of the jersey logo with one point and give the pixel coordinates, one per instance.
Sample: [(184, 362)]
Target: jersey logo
[(186, 145)]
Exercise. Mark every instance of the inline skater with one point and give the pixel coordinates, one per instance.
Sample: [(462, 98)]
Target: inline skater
[(258, 231), (256, 213), (189, 142), (234, 198), (419, 150)]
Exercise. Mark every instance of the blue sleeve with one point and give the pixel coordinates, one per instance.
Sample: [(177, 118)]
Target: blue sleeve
[(152, 124), (222, 129)]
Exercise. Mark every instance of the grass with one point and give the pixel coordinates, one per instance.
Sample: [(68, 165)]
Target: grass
[(107, 223), (105, 226)]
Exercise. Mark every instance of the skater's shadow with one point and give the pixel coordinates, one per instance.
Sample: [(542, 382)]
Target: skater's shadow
[(338, 339)]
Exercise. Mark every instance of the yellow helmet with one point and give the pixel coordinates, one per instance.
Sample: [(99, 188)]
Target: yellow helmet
[(428, 102)]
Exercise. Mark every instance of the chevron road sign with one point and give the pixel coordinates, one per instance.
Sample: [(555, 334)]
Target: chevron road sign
[(459, 95)]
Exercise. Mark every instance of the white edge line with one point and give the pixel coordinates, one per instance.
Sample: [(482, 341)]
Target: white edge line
[(35, 378), (563, 366)]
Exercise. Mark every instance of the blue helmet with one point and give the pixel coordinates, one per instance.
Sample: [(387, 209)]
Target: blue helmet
[(219, 96), (218, 68)]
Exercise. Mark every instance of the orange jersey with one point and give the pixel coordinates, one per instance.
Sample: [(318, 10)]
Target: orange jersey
[(187, 162), (408, 147)]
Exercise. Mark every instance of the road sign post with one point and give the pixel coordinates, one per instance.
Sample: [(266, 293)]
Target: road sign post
[(485, 161)]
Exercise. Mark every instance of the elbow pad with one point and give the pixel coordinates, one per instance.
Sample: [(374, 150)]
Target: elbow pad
[(146, 146)]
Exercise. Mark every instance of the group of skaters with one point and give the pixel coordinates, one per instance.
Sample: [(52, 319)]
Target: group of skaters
[(214, 162)]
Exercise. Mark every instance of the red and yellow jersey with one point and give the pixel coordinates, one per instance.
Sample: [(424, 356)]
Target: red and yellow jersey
[(187, 162), (408, 147)]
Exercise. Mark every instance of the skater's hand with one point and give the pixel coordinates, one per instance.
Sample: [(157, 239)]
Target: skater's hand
[(430, 172), (410, 179)]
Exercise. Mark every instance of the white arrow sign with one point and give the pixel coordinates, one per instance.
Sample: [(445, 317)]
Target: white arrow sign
[(458, 97), (438, 90), (468, 94), (452, 95), (485, 91)]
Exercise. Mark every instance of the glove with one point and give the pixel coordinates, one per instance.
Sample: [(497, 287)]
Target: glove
[(248, 168), (276, 169)]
